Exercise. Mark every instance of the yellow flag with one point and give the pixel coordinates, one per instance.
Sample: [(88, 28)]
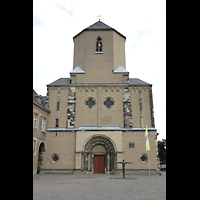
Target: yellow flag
[(147, 140)]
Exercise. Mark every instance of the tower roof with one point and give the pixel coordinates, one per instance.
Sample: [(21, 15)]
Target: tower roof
[(99, 25)]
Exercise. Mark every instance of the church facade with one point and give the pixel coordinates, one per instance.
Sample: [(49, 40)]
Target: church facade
[(98, 115)]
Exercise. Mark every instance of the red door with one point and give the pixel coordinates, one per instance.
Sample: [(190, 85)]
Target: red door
[(99, 164)]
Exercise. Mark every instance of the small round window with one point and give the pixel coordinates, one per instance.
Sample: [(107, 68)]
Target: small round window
[(144, 158), (54, 158), (109, 102), (90, 102)]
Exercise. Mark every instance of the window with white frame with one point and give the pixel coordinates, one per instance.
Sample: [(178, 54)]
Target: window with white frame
[(43, 124), (35, 120)]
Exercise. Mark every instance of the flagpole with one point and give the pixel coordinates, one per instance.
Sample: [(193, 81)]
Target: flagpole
[(149, 163), (148, 156)]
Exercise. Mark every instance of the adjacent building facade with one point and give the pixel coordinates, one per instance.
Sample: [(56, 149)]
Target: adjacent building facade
[(40, 120), (98, 115)]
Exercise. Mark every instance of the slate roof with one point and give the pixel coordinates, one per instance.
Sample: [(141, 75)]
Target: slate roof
[(137, 81), (60, 82), (66, 81), (99, 25), (41, 100)]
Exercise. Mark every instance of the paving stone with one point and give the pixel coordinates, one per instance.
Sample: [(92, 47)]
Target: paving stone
[(137, 186)]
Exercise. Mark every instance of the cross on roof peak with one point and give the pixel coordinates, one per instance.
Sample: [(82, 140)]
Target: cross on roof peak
[(99, 16)]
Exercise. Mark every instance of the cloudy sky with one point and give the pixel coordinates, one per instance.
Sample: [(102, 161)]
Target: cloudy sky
[(143, 22)]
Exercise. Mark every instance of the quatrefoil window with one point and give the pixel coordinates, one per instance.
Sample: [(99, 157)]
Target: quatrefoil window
[(90, 102), (144, 158), (109, 102)]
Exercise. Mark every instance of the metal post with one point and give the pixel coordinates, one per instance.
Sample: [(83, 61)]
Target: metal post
[(123, 165), (123, 170), (149, 163)]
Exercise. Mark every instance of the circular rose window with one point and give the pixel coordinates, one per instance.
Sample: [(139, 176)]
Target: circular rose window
[(54, 158)]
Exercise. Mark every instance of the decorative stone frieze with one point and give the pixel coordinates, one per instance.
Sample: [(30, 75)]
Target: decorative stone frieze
[(128, 121), (71, 107)]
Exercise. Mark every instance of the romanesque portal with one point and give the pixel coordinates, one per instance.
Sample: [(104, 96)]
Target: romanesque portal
[(99, 155)]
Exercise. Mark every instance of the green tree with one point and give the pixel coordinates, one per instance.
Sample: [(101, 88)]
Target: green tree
[(162, 151)]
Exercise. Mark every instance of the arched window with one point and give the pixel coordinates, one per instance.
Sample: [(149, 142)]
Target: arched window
[(99, 45)]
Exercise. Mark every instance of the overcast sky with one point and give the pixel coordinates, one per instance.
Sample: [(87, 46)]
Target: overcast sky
[(143, 22)]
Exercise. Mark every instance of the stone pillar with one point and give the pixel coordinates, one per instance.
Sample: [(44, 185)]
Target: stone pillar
[(108, 162), (89, 160), (92, 168), (85, 168)]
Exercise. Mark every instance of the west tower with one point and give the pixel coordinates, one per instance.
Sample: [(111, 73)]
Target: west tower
[(99, 50)]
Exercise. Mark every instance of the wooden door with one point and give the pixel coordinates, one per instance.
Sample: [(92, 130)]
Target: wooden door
[(99, 164)]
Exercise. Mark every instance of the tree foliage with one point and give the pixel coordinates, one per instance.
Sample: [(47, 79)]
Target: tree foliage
[(162, 151)]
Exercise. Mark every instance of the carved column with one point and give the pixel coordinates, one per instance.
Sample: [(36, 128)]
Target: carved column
[(89, 160), (108, 162), (85, 168)]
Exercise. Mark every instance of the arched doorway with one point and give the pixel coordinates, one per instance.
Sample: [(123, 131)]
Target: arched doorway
[(99, 155), (40, 154)]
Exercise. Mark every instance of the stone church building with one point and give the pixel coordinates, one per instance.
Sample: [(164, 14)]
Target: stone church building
[(98, 115)]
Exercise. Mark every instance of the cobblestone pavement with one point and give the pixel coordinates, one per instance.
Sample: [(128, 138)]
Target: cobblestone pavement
[(136, 186)]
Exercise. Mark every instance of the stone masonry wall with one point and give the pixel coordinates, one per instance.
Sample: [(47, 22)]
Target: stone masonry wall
[(128, 121), (71, 107)]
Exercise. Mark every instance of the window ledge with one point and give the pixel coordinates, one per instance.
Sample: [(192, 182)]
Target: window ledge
[(97, 52)]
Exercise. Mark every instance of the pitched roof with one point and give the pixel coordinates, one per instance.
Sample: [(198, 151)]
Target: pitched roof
[(99, 25), (120, 69), (137, 81), (78, 70), (60, 82), (41, 100), (66, 81)]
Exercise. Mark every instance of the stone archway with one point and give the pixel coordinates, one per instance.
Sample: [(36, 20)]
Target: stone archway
[(99, 145)]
